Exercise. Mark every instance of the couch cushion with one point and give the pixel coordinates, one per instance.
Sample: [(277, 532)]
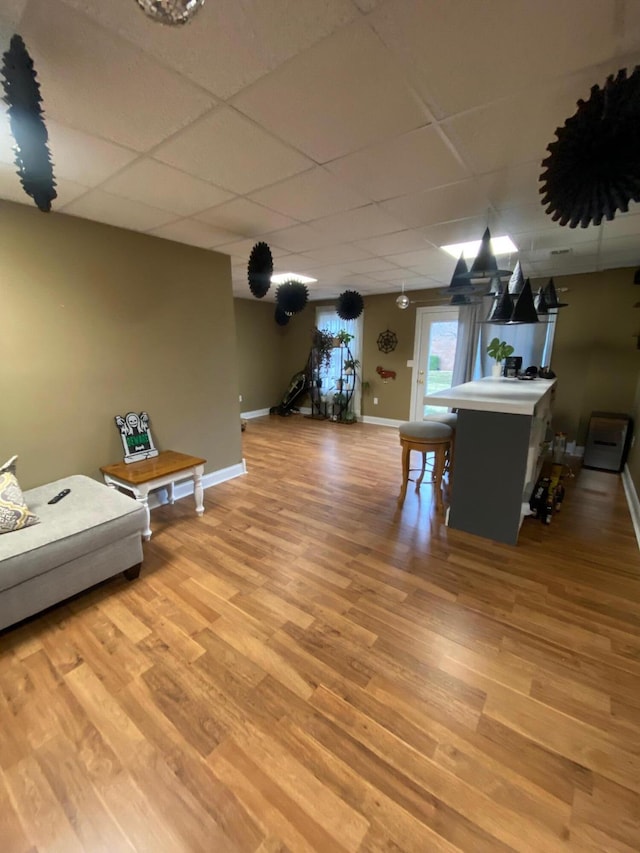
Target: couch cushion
[(14, 512), (89, 517)]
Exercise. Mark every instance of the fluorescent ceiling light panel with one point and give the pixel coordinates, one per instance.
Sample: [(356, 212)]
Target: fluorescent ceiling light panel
[(499, 246), (291, 276)]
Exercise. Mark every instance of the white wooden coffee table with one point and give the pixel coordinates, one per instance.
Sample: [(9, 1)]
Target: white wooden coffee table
[(165, 469)]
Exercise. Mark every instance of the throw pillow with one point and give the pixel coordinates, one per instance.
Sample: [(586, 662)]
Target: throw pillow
[(14, 512), (9, 465)]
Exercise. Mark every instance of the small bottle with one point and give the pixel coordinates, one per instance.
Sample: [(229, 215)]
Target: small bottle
[(559, 446)]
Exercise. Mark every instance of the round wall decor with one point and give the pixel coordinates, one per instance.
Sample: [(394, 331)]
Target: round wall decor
[(387, 341)]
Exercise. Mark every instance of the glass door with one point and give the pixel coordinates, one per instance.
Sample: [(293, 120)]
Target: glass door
[(434, 353)]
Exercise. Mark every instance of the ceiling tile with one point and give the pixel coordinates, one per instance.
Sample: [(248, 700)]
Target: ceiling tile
[(337, 255), (434, 262), (231, 152), (525, 217), (371, 265), (393, 244), (100, 206), (231, 44), (394, 274), (499, 44), (360, 224), (11, 188), (300, 238), (99, 83), (162, 186), (414, 161), (194, 232), (340, 95), (623, 224), (242, 249), (81, 157), (443, 204), (245, 217), (457, 231), (515, 130), (310, 195), (513, 185)]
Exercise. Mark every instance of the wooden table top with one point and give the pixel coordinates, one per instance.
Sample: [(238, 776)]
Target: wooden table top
[(166, 462)]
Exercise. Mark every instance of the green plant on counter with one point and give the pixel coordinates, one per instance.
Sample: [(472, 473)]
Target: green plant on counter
[(499, 350)]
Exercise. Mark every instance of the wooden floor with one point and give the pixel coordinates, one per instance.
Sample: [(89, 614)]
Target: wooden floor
[(305, 668)]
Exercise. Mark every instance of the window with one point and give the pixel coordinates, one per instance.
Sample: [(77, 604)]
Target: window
[(326, 318)]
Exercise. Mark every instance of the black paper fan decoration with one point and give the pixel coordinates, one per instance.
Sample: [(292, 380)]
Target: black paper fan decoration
[(292, 296), (349, 305), (593, 168), (260, 270), (22, 96), (281, 317)]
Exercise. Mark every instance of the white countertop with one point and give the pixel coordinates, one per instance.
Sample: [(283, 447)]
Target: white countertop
[(510, 396)]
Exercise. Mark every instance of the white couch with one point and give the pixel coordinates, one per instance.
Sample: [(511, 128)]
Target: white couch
[(90, 535)]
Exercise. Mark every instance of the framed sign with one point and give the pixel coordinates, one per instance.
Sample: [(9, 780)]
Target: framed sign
[(136, 436)]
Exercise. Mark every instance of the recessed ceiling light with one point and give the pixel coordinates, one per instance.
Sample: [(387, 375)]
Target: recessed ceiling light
[(281, 277), (499, 246)]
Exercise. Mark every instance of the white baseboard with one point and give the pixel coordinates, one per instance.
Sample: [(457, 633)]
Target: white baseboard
[(388, 422), (632, 500), (256, 413), (184, 489)]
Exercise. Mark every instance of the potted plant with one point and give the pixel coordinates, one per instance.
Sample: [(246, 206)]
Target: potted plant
[(350, 364), (498, 350), (344, 338), (323, 342)]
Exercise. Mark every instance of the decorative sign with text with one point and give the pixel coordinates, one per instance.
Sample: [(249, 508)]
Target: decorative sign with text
[(136, 436)]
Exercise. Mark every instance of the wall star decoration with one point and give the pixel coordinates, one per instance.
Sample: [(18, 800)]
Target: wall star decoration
[(593, 168), (22, 96), (387, 341)]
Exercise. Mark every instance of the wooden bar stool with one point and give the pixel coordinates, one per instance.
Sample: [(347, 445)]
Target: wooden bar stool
[(425, 437), (451, 420)]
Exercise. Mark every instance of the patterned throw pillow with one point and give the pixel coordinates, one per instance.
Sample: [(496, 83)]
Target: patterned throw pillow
[(9, 465), (14, 513)]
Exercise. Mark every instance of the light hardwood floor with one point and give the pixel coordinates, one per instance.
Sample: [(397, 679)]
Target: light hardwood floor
[(306, 668)]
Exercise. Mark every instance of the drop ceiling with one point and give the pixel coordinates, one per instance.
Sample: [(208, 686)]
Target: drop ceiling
[(353, 136)]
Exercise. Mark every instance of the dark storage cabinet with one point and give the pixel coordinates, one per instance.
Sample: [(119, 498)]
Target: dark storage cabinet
[(608, 441)]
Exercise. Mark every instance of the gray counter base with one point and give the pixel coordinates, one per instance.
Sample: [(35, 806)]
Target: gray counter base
[(489, 474)]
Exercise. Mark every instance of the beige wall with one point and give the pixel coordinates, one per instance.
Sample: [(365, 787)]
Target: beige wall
[(594, 352), (260, 354), (634, 454), (98, 321)]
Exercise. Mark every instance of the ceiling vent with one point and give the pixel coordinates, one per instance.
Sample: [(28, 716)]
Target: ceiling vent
[(561, 251)]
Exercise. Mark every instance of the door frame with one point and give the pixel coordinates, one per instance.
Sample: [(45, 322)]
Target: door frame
[(433, 310)]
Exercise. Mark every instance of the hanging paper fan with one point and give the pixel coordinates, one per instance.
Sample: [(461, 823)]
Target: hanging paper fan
[(22, 95), (281, 317), (292, 296), (349, 305), (593, 168), (260, 270)]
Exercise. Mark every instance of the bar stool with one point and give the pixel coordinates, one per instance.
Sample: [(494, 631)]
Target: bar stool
[(451, 420), (425, 437)]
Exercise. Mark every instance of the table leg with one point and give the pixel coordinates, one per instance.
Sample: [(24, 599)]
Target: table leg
[(197, 488), (171, 493), (142, 495)]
